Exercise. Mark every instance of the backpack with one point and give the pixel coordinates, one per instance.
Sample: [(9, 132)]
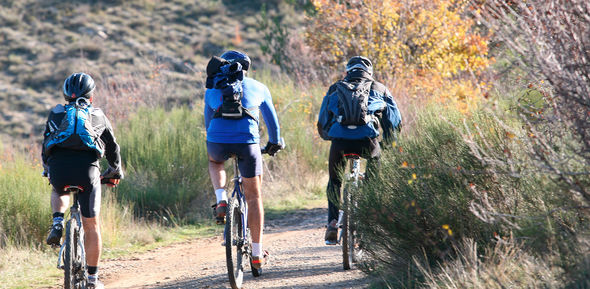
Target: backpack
[(75, 130), (353, 102), (228, 78)]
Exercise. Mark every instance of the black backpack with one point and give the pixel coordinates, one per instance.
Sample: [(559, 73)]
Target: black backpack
[(227, 77), (353, 102)]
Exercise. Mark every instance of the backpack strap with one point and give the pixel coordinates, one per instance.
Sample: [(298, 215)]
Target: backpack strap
[(245, 112)]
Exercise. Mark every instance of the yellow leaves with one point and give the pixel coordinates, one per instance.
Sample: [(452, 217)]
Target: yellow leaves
[(428, 44), (448, 229)]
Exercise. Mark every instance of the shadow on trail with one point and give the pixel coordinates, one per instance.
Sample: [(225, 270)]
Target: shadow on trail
[(281, 276)]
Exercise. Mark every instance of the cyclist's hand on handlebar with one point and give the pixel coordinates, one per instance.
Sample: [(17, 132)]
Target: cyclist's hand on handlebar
[(272, 148), (110, 182), (111, 177)]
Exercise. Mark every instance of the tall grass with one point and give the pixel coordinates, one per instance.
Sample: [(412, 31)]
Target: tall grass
[(435, 191), (24, 200), (297, 109), (165, 158)]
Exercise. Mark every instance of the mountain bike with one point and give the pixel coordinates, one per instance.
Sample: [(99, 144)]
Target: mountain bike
[(72, 252), (349, 238), (237, 234)]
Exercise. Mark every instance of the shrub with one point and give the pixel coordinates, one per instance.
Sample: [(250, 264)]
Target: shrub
[(439, 187), (166, 161)]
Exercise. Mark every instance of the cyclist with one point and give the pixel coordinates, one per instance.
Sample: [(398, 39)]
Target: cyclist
[(74, 160), (239, 136), (360, 133)]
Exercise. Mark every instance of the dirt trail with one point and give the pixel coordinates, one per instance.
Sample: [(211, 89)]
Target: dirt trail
[(299, 259)]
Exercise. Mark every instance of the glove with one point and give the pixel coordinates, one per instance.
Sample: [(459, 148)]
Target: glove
[(111, 173), (111, 177), (272, 148)]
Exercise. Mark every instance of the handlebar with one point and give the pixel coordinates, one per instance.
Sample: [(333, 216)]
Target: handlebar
[(108, 181), (281, 144)]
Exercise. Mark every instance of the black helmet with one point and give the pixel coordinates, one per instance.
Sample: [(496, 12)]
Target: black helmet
[(78, 85), (236, 56), (359, 62)]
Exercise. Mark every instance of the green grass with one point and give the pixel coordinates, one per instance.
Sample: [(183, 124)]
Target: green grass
[(165, 158), (24, 199)]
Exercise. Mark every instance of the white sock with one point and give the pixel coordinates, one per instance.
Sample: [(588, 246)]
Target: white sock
[(256, 249), (221, 195)]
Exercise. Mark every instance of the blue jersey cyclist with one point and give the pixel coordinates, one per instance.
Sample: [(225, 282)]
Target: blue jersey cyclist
[(240, 137)]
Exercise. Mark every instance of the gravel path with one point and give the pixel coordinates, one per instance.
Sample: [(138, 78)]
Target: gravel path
[(299, 259)]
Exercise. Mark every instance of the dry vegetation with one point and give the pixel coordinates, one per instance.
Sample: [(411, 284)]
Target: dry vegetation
[(119, 43)]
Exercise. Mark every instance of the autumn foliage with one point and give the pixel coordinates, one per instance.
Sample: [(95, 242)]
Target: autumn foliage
[(428, 46)]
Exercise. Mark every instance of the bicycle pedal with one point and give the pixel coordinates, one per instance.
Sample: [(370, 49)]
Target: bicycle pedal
[(220, 221)]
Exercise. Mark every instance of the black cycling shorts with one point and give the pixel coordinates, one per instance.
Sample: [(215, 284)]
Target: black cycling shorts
[(77, 168), (249, 156)]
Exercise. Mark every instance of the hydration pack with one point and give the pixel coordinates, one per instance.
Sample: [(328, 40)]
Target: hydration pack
[(228, 78), (75, 130), (353, 102)]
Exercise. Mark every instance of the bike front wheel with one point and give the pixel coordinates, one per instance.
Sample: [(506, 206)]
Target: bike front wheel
[(234, 245)]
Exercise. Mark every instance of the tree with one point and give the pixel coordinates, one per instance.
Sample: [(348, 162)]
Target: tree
[(427, 43)]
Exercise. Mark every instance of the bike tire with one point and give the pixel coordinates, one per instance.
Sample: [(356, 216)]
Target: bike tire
[(234, 247), (347, 240), (69, 257)]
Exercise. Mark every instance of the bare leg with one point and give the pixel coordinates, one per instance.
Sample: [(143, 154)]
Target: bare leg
[(59, 203), (252, 191), (217, 174), (92, 240)]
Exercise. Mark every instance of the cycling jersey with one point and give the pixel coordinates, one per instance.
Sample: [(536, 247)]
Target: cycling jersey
[(380, 100), (245, 130)]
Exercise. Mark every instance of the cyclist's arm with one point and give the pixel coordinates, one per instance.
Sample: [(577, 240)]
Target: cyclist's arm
[(270, 117), (52, 123), (208, 111), (46, 134), (112, 150), (325, 116), (391, 119)]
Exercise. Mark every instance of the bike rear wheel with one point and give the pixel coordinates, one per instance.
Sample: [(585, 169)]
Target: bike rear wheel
[(70, 256), (347, 236), (234, 245)]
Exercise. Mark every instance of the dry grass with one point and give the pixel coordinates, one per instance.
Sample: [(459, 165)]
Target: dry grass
[(507, 265)]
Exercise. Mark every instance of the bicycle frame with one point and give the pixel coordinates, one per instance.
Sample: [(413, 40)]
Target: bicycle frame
[(353, 177), (241, 198), (74, 214)]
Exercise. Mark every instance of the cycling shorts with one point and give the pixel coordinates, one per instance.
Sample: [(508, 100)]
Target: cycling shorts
[(249, 156), (77, 168)]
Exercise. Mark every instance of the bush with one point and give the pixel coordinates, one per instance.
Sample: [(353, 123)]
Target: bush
[(437, 188), (419, 203), (165, 158)]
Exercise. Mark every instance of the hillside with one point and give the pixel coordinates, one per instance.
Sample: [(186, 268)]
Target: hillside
[(42, 42)]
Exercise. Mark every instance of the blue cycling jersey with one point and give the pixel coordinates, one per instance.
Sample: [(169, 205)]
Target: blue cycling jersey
[(245, 130), (380, 99)]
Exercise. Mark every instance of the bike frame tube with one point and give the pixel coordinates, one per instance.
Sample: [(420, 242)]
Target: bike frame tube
[(76, 209), (237, 193), (74, 213)]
